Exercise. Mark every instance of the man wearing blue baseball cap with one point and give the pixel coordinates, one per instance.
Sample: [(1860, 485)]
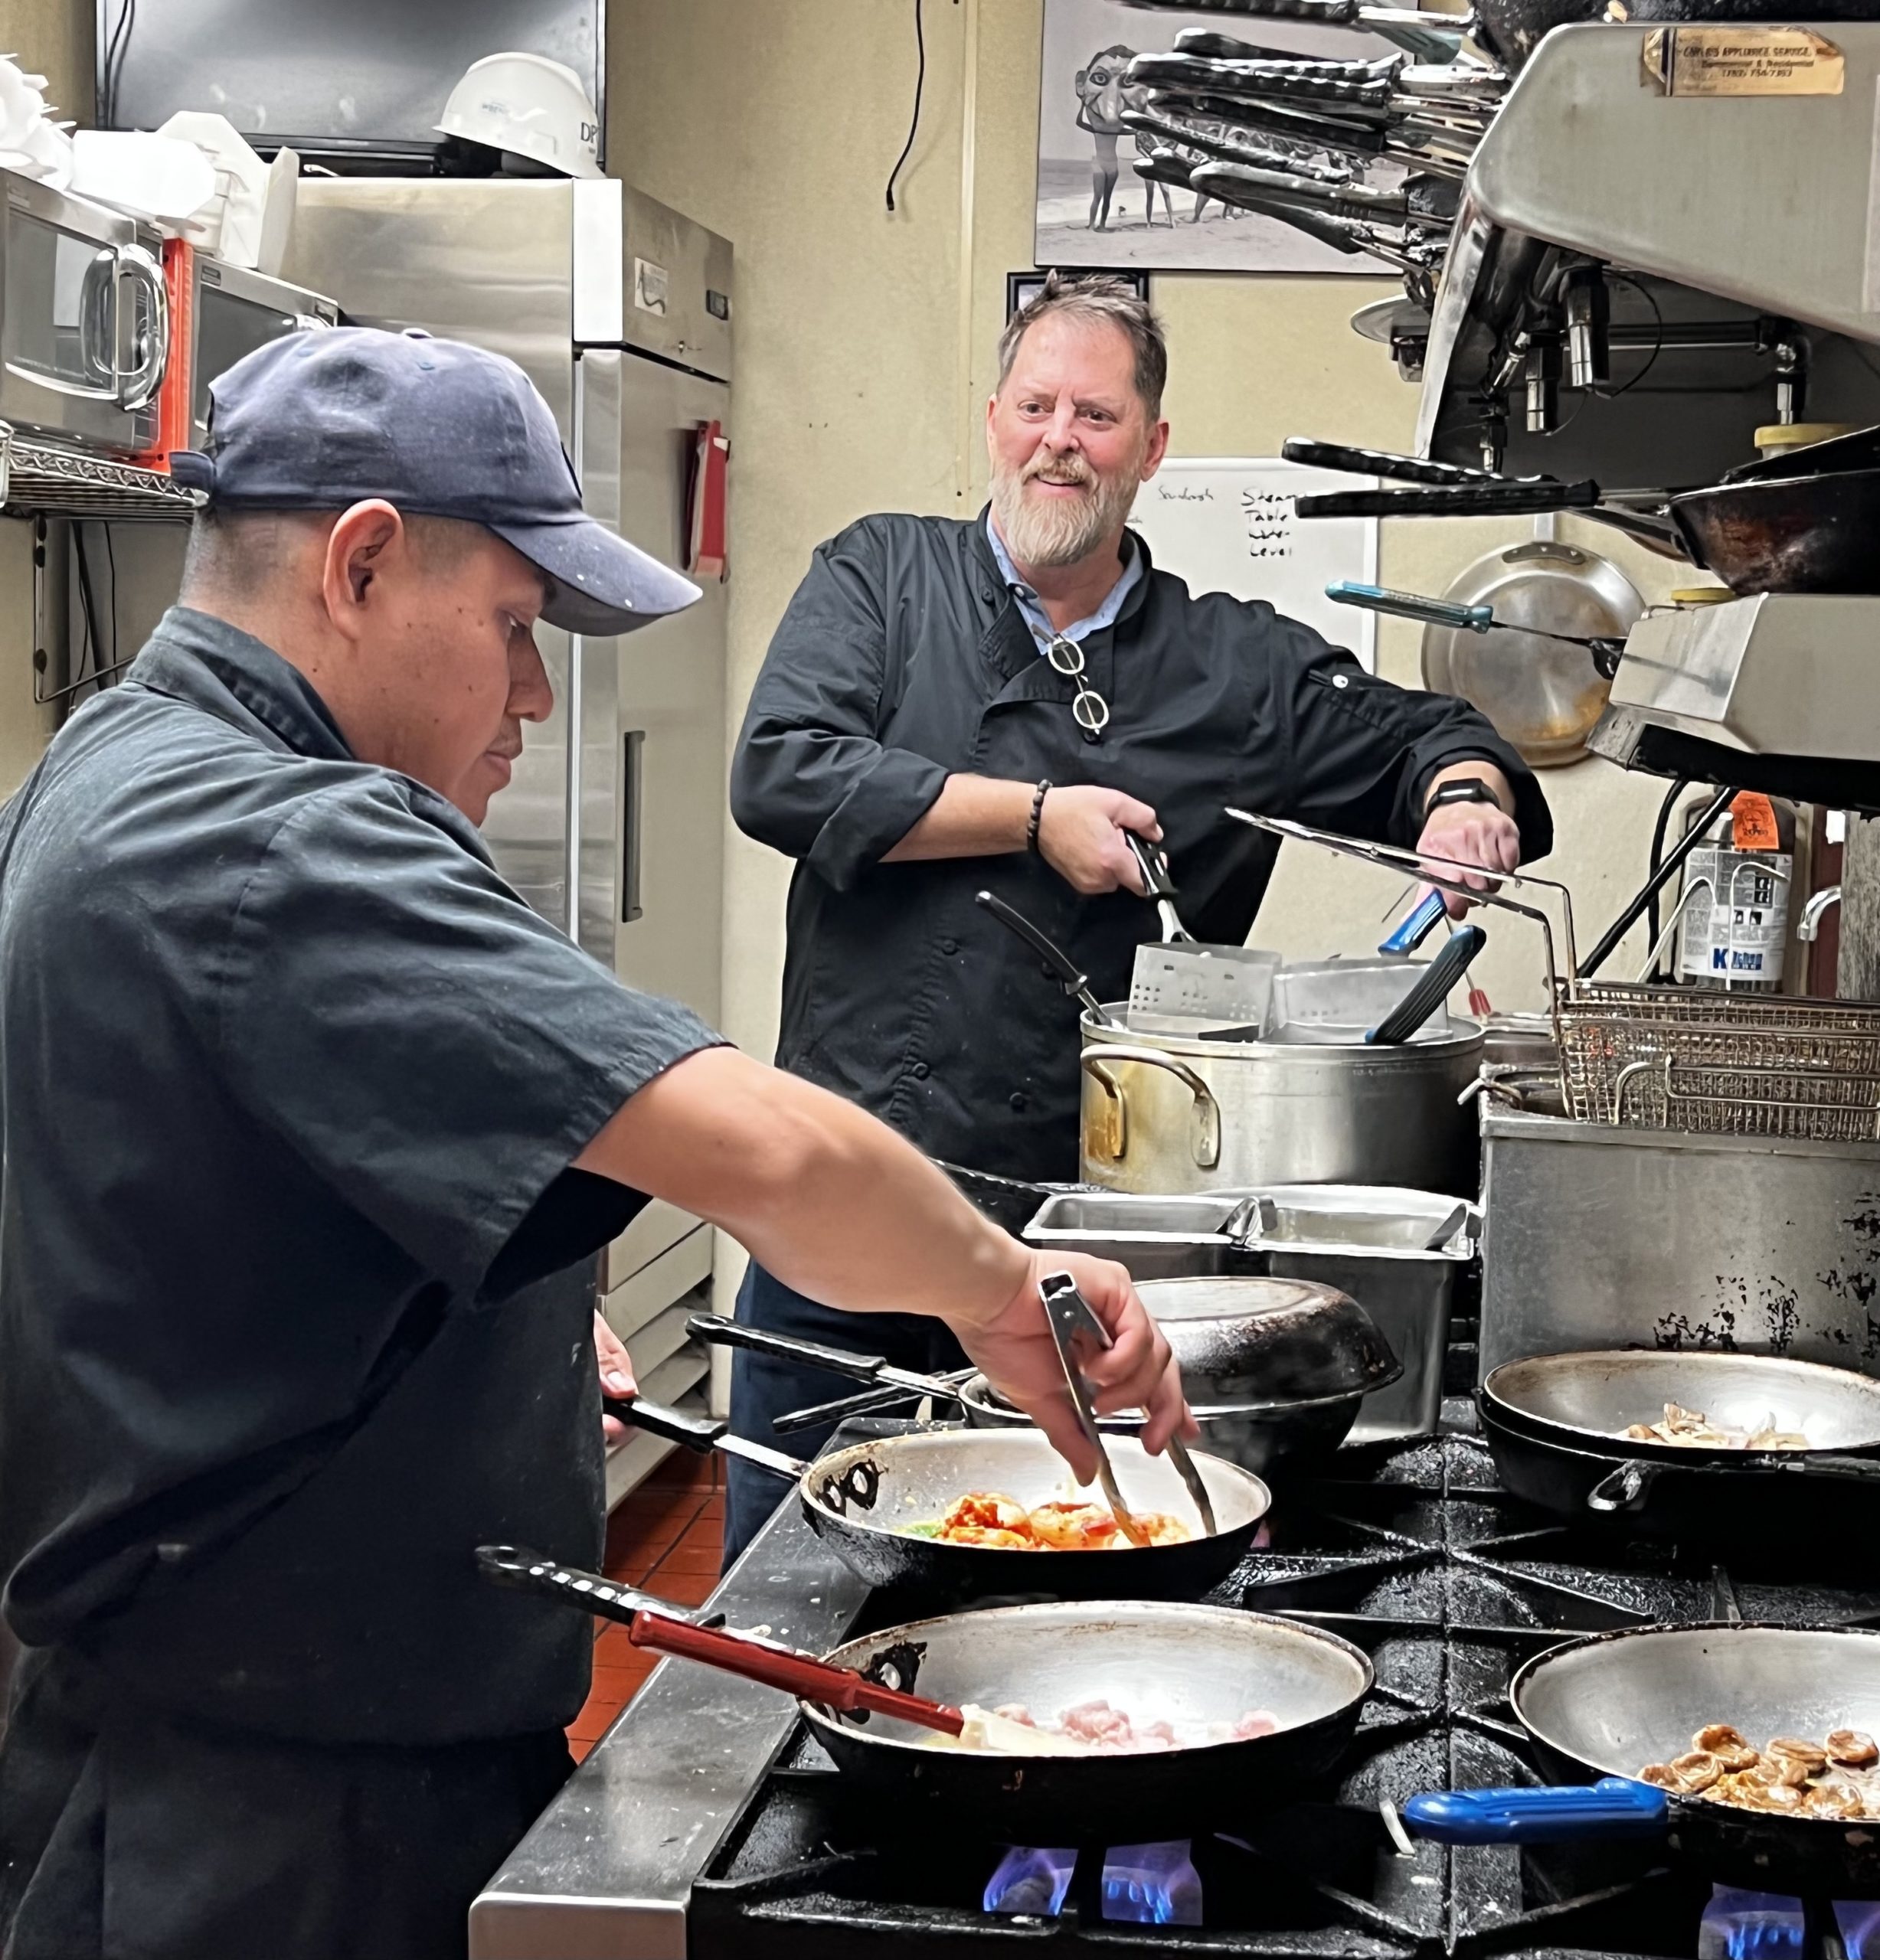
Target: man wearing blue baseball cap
[(311, 1128)]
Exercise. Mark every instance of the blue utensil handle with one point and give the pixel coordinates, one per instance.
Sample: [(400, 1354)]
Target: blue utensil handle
[(1614, 1807), (1413, 606), (1415, 926), (1428, 993)]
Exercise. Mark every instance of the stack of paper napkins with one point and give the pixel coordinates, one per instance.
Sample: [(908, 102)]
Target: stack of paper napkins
[(33, 142)]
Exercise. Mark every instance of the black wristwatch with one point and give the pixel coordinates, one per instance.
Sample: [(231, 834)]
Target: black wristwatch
[(1465, 789)]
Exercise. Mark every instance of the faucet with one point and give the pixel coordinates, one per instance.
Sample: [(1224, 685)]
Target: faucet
[(1811, 913)]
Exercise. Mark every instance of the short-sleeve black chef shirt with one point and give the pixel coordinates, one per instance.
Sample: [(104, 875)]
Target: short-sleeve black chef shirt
[(291, 1081)]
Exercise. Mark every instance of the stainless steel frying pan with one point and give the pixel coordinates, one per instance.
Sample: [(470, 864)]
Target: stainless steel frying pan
[(861, 1501), (1556, 1425), (1608, 1705), (1193, 1666)]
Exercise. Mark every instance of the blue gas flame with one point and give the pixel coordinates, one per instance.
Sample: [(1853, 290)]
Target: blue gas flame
[(1031, 1880), (1154, 1885), (1860, 1922)]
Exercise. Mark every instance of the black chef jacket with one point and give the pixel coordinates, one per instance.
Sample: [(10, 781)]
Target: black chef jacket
[(291, 1081), (903, 658)]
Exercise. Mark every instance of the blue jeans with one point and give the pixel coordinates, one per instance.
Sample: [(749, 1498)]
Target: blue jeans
[(762, 1389)]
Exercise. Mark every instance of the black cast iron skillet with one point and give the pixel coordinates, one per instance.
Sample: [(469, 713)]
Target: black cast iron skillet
[(1608, 1705), (1191, 1665), (1554, 1423), (860, 1500)]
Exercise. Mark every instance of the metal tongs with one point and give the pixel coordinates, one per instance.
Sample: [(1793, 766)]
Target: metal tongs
[(1068, 1314)]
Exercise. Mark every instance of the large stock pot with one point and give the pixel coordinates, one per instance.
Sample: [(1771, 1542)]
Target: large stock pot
[(1169, 1113)]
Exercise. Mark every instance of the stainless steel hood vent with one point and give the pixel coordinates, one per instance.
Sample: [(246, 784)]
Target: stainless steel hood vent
[(1734, 237)]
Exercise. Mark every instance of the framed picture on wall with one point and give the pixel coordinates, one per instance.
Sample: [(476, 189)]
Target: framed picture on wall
[(1023, 288), (1094, 210)]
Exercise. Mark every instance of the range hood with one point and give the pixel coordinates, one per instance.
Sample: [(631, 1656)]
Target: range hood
[(1716, 258)]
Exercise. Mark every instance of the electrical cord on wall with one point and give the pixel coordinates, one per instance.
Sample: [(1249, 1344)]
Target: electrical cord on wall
[(94, 666), (920, 84), (1657, 858), (111, 74)]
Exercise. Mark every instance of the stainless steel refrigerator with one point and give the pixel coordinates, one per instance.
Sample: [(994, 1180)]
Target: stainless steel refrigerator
[(620, 310)]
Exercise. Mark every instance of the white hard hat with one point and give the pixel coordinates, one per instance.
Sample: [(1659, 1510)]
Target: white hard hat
[(530, 106)]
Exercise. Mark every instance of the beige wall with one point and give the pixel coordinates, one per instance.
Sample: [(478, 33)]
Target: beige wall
[(53, 38), (862, 366)]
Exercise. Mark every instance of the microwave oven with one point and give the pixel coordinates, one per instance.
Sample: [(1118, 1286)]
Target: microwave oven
[(218, 313), (84, 320)]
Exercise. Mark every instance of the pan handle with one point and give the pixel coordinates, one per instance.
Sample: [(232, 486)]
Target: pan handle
[(1412, 605), (1316, 454), (1453, 500), (1458, 953), (1204, 1127), (715, 1330), (700, 1434), (871, 1401), (1416, 926), (1829, 1469), (1326, 13), (1074, 982), (520, 1570), (1614, 1807), (1157, 881), (1215, 181), (651, 1623)]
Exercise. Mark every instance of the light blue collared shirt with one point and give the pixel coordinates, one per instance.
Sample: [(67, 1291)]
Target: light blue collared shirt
[(1033, 607)]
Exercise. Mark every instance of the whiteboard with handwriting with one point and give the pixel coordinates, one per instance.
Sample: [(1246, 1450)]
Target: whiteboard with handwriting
[(1226, 525)]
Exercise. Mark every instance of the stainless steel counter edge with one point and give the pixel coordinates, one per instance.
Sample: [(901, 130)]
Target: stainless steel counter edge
[(1497, 1123), (607, 1870)]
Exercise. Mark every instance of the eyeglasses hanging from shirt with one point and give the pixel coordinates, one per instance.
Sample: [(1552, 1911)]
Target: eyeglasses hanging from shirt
[(1088, 708)]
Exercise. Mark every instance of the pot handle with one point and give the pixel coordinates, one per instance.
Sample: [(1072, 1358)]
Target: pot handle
[(1626, 1488), (1204, 1125), (1614, 1807)]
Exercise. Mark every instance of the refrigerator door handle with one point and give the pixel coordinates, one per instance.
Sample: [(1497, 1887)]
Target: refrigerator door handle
[(632, 775)]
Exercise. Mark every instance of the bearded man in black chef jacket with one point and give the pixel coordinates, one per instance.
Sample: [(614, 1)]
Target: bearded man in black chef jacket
[(312, 1128), (951, 705)]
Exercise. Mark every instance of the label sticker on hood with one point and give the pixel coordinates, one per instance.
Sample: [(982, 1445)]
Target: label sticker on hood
[(1744, 59)]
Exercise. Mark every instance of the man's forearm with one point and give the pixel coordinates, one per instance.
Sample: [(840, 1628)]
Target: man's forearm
[(823, 1195), (973, 816)]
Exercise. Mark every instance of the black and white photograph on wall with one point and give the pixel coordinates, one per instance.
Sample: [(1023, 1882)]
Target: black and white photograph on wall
[(1101, 126)]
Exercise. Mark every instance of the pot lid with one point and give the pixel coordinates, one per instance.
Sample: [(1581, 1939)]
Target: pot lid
[(1212, 1296), (1262, 1339)]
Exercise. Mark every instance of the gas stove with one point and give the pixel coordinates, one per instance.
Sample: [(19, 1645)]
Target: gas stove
[(1413, 1553)]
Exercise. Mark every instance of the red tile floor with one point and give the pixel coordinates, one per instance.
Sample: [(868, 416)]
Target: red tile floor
[(666, 1536)]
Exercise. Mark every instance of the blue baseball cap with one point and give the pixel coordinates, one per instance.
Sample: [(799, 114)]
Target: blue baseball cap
[(319, 420)]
